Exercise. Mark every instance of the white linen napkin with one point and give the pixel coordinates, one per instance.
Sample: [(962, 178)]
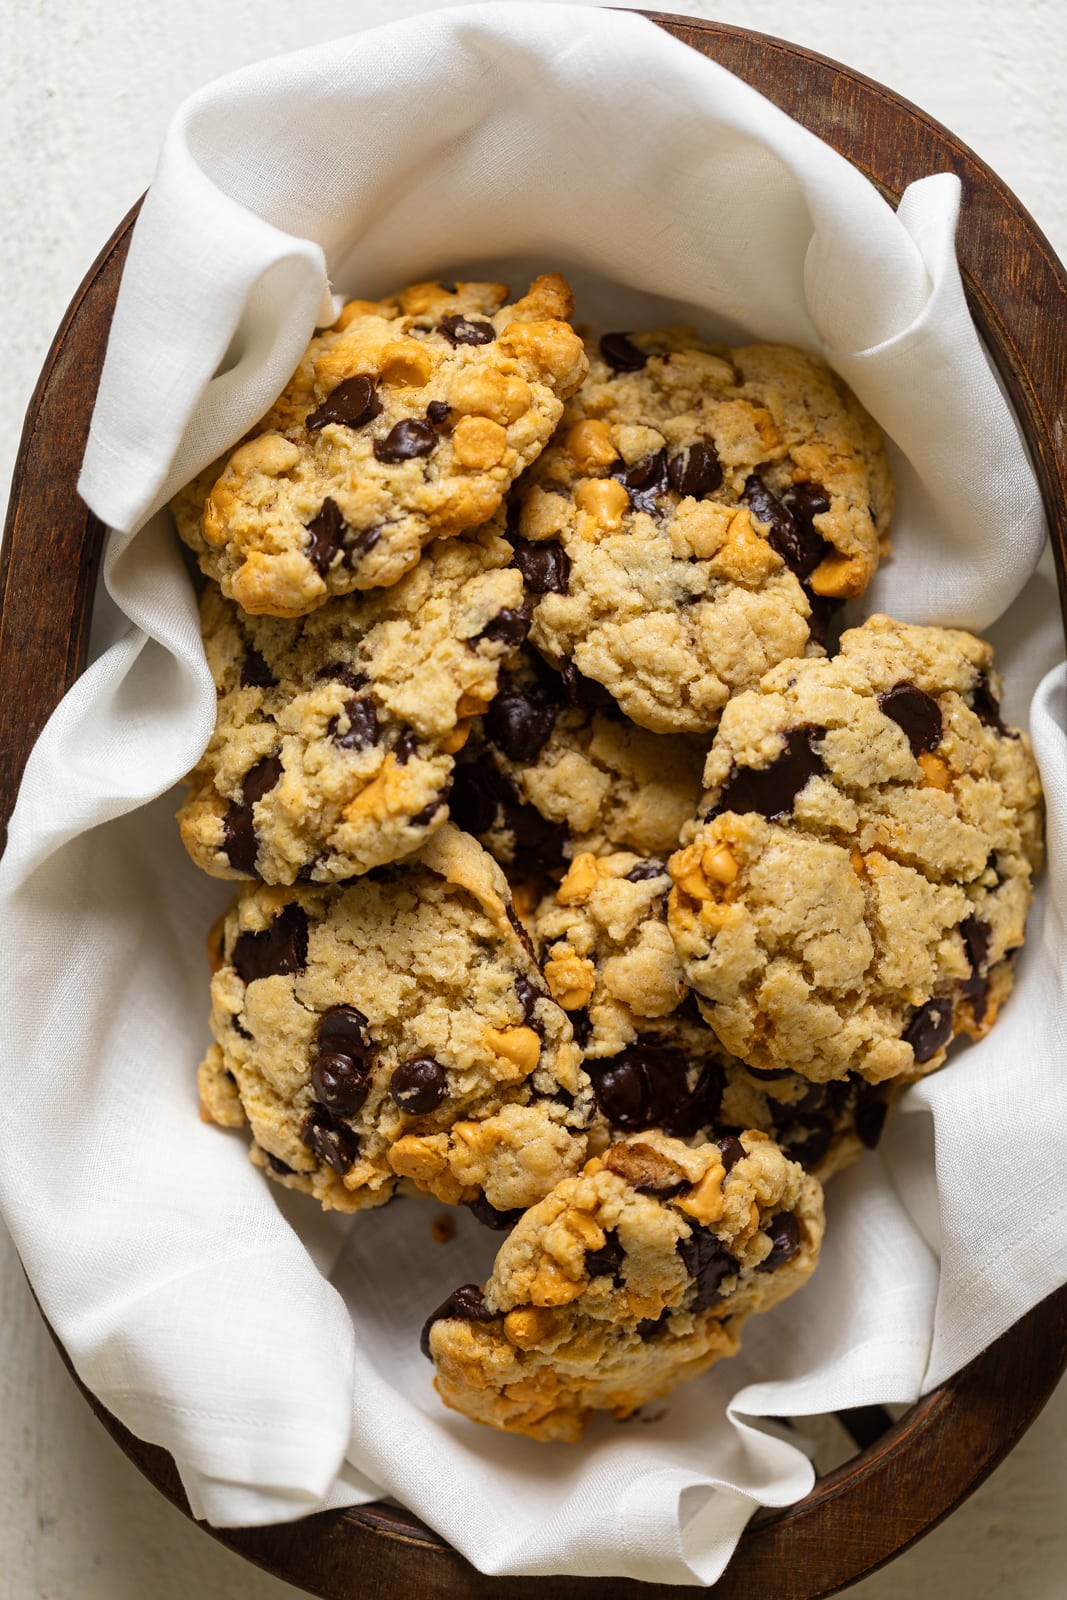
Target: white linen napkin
[(273, 1351)]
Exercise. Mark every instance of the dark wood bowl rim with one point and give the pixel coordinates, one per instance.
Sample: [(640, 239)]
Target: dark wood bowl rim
[(876, 1505)]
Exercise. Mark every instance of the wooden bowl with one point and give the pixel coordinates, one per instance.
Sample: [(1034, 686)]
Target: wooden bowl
[(907, 1475)]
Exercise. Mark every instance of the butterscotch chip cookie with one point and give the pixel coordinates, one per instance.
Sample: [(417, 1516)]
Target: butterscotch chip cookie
[(697, 518), (627, 1279), (336, 733), (610, 963), (405, 421), (862, 870), (396, 1028), (558, 770)]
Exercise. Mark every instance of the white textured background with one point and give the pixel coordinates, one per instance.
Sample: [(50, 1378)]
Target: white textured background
[(85, 92)]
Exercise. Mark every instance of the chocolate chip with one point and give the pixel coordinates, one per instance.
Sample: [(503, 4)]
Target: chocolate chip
[(581, 1026), (338, 672), (260, 779), (255, 673), (986, 706), (326, 533), (870, 1114), (645, 482), (474, 803), (620, 354), (771, 791), (352, 403), (461, 330), (490, 1217), (707, 1263), (606, 1262), (696, 470), (419, 1085), (732, 1151), (976, 935), (465, 1304), (518, 726), (423, 818), (361, 546), (276, 1164), (784, 1234), (279, 949), (437, 411), (793, 537), (913, 711), (652, 868), (330, 1140), (545, 568), (929, 1029), (806, 501), (528, 995), (586, 693), (511, 625), (808, 1140), (340, 1083), (362, 727), (239, 839), (344, 1030), (405, 747), (406, 441), (647, 1085)]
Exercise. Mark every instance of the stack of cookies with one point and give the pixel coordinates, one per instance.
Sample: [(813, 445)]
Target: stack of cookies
[(588, 881)]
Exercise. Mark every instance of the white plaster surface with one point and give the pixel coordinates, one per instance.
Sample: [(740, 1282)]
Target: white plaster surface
[(85, 92)]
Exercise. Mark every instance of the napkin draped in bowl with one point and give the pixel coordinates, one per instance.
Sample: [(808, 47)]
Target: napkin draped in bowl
[(274, 1351)]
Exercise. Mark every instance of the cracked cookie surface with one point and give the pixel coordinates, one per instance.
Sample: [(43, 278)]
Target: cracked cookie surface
[(697, 518), (404, 422), (628, 1278), (609, 961), (395, 1028), (335, 734), (862, 871)]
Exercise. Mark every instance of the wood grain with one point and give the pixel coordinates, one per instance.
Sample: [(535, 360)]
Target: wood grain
[(890, 1494)]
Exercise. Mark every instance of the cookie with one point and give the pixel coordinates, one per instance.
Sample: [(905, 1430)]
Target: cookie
[(627, 1279), (395, 1028), (335, 734), (653, 1061), (404, 422), (698, 517), (860, 876), (558, 770)]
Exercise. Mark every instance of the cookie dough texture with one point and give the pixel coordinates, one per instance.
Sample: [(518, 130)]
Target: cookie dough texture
[(851, 898), (406, 421), (630, 1277), (335, 734), (699, 514), (395, 1029)]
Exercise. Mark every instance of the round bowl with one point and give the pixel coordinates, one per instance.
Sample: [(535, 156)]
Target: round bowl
[(906, 1475)]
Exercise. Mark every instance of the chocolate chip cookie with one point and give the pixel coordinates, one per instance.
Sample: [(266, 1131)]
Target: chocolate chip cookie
[(405, 421), (395, 1028), (335, 733), (557, 743), (698, 517), (860, 875), (625, 1280), (654, 1062)]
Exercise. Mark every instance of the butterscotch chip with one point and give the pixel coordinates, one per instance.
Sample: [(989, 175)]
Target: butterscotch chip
[(605, 1296), (406, 421), (708, 509), (885, 827), (396, 1028)]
